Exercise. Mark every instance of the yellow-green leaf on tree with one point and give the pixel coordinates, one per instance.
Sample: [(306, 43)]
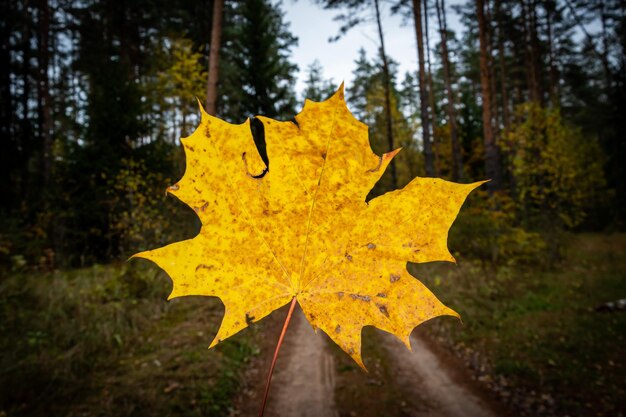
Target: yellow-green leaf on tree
[(304, 230)]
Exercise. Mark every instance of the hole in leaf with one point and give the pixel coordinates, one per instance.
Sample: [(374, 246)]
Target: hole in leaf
[(258, 134)]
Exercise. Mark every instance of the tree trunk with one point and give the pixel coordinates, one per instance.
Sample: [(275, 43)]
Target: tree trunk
[(214, 56), (492, 154), (431, 93), (387, 87), (9, 155), (536, 53), (43, 88), (457, 159), (506, 120), (428, 152), (495, 111), (555, 99), (532, 54), (605, 48), (25, 139)]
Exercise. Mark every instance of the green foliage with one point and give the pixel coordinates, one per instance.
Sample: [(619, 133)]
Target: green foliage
[(487, 230), (74, 332), (557, 172), (179, 77), (140, 211)]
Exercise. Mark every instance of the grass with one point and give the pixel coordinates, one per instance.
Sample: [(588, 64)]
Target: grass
[(538, 328), (379, 391), (103, 341)]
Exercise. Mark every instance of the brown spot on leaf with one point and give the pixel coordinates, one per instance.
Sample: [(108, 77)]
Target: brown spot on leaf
[(381, 295), (371, 246), (365, 298), (394, 278), (203, 266), (383, 309), (340, 294), (201, 208), (338, 329), (249, 319), (349, 257)]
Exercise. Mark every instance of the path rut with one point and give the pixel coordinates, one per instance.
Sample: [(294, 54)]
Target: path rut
[(447, 397), (304, 382), (305, 385)]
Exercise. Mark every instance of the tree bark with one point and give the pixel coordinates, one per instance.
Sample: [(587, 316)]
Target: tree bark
[(431, 94), (457, 159), (214, 55), (43, 88), (555, 99), (532, 50), (427, 147), (9, 155), (495, 111), (387, 88), (536, 53), (506, 120), (492, 154)]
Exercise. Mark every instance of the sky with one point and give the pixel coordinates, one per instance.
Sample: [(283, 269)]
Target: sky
[(313, 26)]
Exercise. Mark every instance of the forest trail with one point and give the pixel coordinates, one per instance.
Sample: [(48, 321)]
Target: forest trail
[(448, 390), (304, 386), (304, 382)]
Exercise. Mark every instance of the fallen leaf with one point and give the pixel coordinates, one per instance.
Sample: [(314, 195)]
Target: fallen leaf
[(300, 227), (173, 385)]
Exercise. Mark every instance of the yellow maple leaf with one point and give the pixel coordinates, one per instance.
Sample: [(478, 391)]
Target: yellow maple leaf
[(304, 229)]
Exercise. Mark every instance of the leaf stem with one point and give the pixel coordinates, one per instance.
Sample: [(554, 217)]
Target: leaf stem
[(280, 342)]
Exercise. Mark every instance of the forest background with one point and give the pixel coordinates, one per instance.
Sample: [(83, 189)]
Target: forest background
[(95, 94)]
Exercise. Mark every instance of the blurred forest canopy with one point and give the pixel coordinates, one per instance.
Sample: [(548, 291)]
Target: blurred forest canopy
[(96, 93)]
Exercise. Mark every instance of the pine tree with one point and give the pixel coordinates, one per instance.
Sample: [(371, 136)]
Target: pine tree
[(317, 88), (258, 78)]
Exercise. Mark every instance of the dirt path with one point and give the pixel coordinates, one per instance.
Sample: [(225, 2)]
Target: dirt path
[(310, 374), (304, 385), (448, 390)]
